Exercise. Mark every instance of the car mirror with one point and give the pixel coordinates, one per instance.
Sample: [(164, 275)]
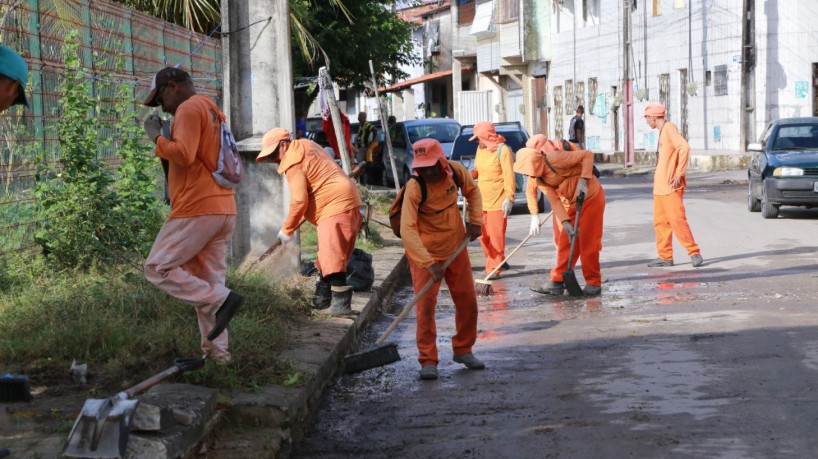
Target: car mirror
[(755, 147)]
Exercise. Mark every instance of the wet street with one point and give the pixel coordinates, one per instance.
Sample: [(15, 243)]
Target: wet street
[(719, 361)]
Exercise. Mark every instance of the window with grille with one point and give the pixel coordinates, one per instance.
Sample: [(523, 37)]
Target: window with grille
[(657, 7), (580, 95), (569, 96), (592, 94), (509, 11), (558, 112), (720, 80), (664, 93)]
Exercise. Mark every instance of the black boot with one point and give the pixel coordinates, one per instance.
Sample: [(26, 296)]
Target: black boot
[(323, 295), (341, 302)]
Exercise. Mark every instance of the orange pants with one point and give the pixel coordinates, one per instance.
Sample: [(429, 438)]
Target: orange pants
[(461, 285), (669, 219), (493, 239), (336, 241), (587, 246)]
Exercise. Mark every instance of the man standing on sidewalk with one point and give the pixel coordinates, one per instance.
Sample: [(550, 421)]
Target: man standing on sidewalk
[(668, 190), (188, 260), (431, 231), (576, 131)]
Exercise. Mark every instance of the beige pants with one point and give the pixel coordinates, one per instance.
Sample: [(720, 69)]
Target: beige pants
[(188, 261)]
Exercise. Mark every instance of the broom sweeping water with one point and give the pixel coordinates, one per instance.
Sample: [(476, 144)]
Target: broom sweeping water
[(483, 287), (380, 354)]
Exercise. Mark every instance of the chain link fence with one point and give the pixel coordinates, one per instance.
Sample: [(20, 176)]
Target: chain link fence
[(118, 47)]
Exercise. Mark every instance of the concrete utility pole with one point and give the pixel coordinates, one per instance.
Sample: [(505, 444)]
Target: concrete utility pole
[(748, 82), (257, 96), (627, 83)]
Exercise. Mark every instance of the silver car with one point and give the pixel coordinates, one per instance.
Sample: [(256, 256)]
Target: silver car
[(405, 133)]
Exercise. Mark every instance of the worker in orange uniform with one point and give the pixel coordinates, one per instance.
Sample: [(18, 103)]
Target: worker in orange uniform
[(494, 172), (668, 190), (322, 194), (564, 175), (431, 233)]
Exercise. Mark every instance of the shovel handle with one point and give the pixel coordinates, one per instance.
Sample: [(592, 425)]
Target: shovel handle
[(420, 294), (179, 366), (519, 246), (580, 200)]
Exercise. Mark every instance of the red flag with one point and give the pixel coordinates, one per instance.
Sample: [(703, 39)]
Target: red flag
[(329, 128)]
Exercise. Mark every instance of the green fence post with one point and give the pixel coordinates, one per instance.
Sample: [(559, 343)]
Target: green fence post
[(36, 76)]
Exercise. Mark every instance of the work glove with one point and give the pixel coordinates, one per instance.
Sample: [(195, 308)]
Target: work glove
[(436, 271), (534, 228), (284, 238), (153, 127), (474, 231), (582, 187), (566, 225), (507, 205), (474, 174)]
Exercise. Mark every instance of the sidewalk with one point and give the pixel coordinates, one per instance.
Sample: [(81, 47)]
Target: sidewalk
[(700, 160)]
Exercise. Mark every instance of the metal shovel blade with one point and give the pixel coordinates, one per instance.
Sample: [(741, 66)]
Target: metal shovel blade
[(102, 429), (569, 279)]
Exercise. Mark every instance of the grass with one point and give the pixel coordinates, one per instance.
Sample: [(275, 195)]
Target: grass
[(118, 324), (309, 240)]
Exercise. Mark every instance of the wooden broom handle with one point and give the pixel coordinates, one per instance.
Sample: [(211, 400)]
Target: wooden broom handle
[(519, 246), (420, 294)]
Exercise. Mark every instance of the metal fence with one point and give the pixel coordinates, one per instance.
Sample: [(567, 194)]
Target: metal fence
[(118, 46)]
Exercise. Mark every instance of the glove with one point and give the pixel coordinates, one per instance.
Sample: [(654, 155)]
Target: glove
[(566, 225), (474, 231), (534, 228), (153, 127), (507, 205), (582, 187), (436, 271), (284, 238)]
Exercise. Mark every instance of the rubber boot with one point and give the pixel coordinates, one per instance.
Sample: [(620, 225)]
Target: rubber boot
[(341, 302), (550, 288), (323, 295)]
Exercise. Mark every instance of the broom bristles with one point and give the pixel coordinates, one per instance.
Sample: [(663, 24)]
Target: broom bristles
[(372, 358), (483, 288)]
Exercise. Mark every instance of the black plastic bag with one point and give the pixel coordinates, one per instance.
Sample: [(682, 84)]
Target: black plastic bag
[(360, 273)]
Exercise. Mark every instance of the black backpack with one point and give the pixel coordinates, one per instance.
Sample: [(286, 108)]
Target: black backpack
[(397, 206)]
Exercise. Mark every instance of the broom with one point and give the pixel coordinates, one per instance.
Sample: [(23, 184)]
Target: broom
[(483, 287), (247, 267), (379, 354)]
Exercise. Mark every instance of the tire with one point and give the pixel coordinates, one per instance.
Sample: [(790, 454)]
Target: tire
[(753, 204), (768, 210)]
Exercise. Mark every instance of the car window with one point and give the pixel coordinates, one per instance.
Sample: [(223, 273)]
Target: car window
[(796, 137), (396, 133), (463, 148), (765, 136)]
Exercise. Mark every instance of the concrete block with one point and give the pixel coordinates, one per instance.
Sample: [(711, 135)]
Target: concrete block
[(190, 404), (150, 417)]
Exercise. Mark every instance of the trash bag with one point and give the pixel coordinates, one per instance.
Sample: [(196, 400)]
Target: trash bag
[(360, 273), (308, 268)]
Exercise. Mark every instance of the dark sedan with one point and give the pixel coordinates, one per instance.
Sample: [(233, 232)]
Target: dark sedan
[(784, 167)]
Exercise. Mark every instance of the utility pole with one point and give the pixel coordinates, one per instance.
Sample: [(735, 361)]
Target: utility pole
[(627, 82), (748, 54)]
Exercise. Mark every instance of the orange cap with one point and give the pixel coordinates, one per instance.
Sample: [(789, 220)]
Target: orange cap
[(483, 129), (427, 152), (537, 141), (655, 109), (270, 142)]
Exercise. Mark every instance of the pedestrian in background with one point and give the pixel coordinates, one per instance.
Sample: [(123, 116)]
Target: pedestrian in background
[(563, 175), (431, 232), (576, 130), (322, 194), (300, 124), (188, 260), (669, 182), (13, 79), (494, 171)]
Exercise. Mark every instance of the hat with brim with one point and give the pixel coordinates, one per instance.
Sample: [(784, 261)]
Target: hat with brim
[(483, 129), (161, 79), (13, 66), (270, 142), (427, 153), (530, 162), (655, 109)]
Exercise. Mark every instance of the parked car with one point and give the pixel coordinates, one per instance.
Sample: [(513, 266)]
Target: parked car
[(784, 167), (406, 133), (516, 136)]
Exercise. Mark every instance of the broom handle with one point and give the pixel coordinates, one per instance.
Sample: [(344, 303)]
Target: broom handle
[(271, 249), (519, 246), (420, 294)]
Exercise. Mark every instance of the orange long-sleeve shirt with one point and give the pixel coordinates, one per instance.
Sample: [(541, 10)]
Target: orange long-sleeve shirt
[(560, 187), (495, 176), (674, 154), (433, 232), (319, 188), (193, 154)]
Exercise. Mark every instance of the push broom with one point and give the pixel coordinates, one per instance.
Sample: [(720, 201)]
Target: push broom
[(380, 354), (483, 287)]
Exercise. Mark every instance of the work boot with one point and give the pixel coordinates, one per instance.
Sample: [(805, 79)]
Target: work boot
[(341, 302), (660, 263), (697, 260), (550, 288), (592, 290), (505, 267), (471, 362), (323, 295), (226, 312), (428, 372)]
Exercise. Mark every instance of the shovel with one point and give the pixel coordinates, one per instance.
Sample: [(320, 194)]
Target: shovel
[(103, 426), (569, 278)]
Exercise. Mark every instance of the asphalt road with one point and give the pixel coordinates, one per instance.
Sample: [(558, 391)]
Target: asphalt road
[(719, 361)]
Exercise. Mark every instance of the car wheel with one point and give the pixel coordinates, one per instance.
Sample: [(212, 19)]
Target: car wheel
[(753, 204), (768, 210)]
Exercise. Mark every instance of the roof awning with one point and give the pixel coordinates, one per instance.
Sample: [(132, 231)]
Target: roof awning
[(422, 79)]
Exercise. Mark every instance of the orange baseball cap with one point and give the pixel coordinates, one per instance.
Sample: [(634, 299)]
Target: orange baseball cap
[(427, 152), (655, 109), (270, 142)]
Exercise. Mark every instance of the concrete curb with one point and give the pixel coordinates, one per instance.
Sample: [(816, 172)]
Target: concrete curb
[(280, 414), (645, 162)]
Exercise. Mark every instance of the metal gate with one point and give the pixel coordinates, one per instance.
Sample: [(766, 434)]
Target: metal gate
[(516, 109), (475, 106)]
